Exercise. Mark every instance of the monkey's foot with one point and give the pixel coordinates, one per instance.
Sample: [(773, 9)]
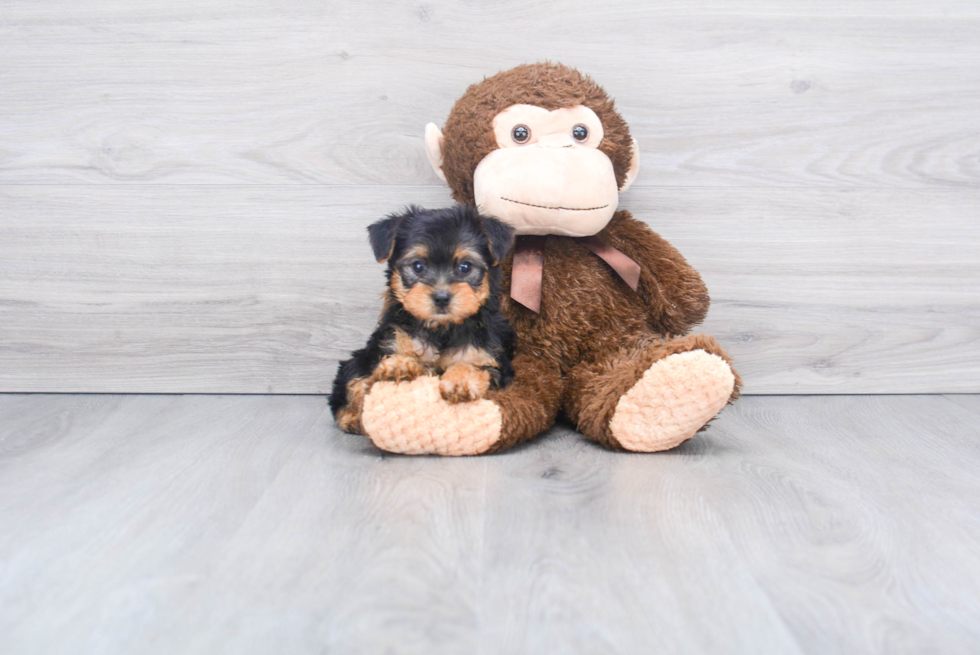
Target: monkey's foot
[(412, 418), (674, 399)]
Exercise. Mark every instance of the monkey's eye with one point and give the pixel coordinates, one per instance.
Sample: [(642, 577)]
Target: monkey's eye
[(580, 132), (520, 134), (418, 267), (464, 267)]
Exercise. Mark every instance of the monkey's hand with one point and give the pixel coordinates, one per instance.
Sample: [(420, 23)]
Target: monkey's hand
[(413, 418), (672, 290)]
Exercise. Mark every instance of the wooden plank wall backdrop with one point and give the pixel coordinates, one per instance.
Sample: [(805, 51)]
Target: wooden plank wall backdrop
[(184, 185)]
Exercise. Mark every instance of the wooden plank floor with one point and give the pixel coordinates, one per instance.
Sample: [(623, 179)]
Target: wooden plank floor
[(249, 524)]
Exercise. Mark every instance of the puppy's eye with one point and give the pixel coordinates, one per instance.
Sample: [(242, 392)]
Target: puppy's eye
[(464, 267), (520, 134), (580, 132), (418, 267)]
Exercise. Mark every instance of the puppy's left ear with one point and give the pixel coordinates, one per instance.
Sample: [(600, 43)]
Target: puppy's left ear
[(500, 235), (382, 234)]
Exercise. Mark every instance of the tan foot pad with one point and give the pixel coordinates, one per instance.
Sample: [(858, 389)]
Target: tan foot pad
[(672, 401), (413, 419)]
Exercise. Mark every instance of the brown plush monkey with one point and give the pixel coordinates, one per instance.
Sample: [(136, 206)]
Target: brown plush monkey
[(596, 298)]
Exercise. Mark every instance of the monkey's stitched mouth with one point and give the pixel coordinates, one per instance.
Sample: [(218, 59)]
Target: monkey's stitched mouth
[(569, 209)]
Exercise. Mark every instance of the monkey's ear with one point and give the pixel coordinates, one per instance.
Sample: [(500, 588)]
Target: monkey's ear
[(634, 166), (500, 235), (382, 234), (433, 148)]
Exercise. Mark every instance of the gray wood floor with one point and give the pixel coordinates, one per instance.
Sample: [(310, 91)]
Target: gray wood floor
[(249, 524)]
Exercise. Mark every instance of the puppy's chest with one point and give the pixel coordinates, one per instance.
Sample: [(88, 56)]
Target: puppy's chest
[(422, 350), (431, 355)]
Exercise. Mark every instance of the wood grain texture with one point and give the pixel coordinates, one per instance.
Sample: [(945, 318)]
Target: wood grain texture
[(818, 162), (263, 289), (967, 401), (199, 524), (868, 94)]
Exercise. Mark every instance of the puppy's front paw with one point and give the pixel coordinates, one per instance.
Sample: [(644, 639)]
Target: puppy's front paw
[(462, 383), (398, 368)]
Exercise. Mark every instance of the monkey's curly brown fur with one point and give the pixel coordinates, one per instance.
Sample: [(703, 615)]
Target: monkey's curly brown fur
[(469, 133), (594, 338)]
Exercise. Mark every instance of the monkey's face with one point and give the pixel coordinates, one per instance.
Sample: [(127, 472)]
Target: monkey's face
[(540, 146), (547, 175)]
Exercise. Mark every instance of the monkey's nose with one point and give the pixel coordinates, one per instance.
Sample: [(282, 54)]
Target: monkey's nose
[(560, 140), (441, 299)]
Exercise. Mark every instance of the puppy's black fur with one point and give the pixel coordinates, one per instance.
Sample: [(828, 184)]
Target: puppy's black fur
[(442, 304)]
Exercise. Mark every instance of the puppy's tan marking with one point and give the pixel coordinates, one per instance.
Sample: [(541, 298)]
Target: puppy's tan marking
[(349, 418), (398, 368), (471, 355), (415, 252), (397, 286), (467, 301), (464, 253), (386, 300), (405, 344), (463, 383), (418, 302)]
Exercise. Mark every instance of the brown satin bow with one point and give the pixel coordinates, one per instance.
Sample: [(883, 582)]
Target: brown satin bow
[(528, 269)]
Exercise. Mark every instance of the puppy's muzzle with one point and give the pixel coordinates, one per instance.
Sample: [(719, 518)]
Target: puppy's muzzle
[(441, 300)]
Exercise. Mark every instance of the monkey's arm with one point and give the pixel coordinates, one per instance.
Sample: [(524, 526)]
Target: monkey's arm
[(673, 292), (413, 418)]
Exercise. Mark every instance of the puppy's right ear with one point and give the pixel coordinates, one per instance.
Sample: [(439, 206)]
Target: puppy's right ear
[(382, 234), (500, 235)]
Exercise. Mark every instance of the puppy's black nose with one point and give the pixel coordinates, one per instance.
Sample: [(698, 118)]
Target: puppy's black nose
[(441, 299)]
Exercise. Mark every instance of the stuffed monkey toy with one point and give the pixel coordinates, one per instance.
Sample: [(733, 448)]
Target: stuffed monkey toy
[(596, 298)]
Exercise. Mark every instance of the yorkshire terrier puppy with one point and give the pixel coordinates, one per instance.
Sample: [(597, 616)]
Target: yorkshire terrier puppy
[(441, 311)]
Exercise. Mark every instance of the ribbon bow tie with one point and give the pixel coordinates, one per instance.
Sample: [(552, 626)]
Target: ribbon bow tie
[(528, 269)]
